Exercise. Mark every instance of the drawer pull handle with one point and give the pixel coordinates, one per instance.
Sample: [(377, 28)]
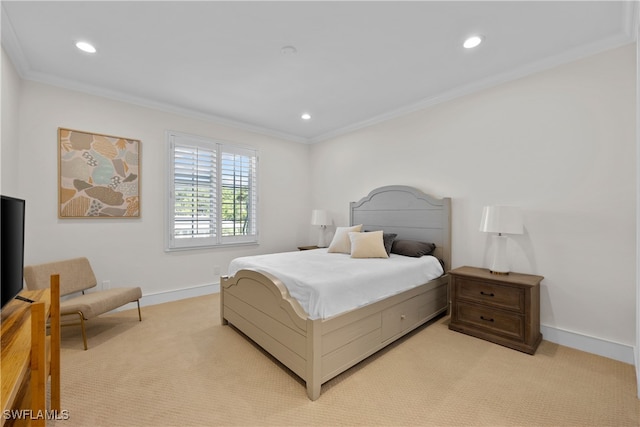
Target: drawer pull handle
[(402, 317), (486, 294), (486, 319)]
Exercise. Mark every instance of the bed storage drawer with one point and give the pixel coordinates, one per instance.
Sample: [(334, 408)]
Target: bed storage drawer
[(410, 313), (399, 317)]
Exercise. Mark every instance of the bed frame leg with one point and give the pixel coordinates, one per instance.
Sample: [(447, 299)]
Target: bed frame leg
[(314, 358), (313, 390), (223, 279)]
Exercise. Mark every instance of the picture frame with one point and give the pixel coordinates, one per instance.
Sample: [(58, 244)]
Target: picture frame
[(98, 175)]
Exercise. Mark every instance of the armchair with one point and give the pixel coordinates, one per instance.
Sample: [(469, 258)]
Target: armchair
[(76, 275)]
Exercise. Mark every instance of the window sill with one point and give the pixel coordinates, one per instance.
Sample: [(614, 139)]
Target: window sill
[(220, 246)]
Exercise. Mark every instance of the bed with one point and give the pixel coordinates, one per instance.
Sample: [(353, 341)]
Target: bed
[(317, 348)]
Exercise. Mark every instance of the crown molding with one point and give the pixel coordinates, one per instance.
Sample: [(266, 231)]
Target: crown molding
[(11, 45), (495, 80), (155, 105)]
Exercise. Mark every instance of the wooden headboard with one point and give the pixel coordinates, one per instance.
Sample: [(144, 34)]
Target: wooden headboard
[(409, 213)]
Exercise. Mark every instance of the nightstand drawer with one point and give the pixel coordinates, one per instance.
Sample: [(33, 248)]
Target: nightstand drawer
[(494, 321), (506, 297)]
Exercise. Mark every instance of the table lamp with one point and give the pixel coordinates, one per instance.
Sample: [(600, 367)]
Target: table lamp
[(501, 220), (320, 217)]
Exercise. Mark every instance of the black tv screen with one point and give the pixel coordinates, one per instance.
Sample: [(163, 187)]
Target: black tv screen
[(12, 250)]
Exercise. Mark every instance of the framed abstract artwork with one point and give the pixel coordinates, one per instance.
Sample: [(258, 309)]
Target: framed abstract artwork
[(98, 175)]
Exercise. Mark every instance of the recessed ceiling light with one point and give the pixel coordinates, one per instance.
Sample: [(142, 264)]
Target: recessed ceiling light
[(86, 47), (305, 116), (472, 42)]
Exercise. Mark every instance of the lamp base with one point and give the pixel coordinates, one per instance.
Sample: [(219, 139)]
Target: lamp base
[(500, 264), (321, 240)]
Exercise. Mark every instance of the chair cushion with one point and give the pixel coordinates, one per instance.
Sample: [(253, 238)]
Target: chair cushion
[(93, 304), (75, 275)]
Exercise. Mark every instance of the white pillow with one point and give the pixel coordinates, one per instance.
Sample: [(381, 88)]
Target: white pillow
[(341, 243), (367, 245)]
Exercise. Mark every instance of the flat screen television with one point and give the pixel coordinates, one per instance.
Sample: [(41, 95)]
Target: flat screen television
[(12, 250)]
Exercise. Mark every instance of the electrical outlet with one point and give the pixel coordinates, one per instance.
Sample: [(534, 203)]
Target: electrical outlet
[(106, 284), (216, 270)]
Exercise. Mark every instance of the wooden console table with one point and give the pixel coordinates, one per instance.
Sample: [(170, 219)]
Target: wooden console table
[(29, 356)]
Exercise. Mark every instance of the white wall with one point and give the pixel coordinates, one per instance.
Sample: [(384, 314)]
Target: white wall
[(560, 144), (9, 155), (130, 251)]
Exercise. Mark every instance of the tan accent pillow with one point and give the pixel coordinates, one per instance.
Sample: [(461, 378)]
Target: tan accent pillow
[(367, 245), (341, 243)]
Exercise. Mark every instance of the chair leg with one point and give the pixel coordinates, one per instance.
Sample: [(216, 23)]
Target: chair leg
[(81, 323), (84, 333)]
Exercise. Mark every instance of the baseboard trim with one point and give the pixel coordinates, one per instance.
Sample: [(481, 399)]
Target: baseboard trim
[(637, 371), (613, 350), (174, 295), (178, 294)]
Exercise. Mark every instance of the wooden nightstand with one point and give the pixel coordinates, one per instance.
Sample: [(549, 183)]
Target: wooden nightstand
[(504, 309), (306, 248)]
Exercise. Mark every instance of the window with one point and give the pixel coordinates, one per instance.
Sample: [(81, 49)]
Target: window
[(212, 193)]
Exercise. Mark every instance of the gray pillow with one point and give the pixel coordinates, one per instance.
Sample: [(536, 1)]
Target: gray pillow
[(412, 248), (387, 239)]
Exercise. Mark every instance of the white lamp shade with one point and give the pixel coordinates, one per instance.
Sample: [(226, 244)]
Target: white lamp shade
[(501, 219), (319, 217)]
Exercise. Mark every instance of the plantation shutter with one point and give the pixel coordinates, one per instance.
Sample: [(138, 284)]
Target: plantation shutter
[(238, 196), (212, 194)]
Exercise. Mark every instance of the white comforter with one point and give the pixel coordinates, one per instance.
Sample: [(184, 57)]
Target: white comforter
[(327, 284)]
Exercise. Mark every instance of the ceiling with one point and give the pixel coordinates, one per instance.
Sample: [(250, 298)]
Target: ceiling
[(355, 63)]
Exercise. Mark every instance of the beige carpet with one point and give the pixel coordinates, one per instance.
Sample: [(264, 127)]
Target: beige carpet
[(180, 367)]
